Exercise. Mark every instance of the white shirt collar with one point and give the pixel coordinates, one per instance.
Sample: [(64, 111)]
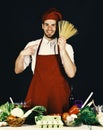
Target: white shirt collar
[(52, 42)]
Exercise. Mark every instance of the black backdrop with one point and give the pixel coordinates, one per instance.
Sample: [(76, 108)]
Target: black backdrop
[(21, 23)]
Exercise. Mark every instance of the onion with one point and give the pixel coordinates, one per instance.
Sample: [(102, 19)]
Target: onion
[(18, 112)]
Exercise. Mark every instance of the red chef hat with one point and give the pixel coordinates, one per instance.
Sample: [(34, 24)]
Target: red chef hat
[(52, 14)]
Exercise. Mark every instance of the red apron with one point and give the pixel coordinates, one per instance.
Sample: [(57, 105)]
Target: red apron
[(49, 87)]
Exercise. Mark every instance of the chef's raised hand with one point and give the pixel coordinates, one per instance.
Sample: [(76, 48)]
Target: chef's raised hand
[(61, 43)]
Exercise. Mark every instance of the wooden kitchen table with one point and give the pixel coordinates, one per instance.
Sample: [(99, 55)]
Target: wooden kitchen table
[(34, 127)]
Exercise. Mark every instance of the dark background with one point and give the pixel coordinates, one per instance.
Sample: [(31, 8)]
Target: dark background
[(20, 22)]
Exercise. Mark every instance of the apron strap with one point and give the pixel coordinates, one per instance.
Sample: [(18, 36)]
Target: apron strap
[(39, 46)]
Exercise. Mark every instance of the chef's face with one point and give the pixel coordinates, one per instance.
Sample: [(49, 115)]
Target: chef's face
[(49, 27)]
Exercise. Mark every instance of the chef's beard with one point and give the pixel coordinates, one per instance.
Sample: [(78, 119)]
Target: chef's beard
[(56, 35), (49, 36)]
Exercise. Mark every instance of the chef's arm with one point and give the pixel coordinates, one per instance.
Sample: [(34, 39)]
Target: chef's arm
[(19, 63), (69, 66)]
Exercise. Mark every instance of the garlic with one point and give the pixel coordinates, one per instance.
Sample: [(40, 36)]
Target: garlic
[(100, 117)]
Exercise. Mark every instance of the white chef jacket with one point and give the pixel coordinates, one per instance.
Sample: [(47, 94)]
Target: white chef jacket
[(46, 48)]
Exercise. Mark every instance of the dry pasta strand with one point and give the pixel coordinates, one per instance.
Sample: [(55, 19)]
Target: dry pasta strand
[(66, 29)]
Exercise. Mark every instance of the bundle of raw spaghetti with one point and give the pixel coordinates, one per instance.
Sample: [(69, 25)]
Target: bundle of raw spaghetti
[(66, 29)]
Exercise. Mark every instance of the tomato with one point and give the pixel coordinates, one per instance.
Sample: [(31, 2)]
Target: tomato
[(73, 110), (65, 115)]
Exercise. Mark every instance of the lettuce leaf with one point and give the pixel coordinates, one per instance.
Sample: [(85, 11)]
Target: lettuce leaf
[(88, 116), (5, 110)]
